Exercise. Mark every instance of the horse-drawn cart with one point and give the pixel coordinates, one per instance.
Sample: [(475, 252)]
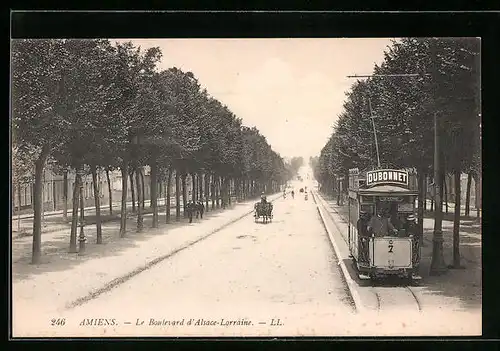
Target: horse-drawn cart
[(264, 211)]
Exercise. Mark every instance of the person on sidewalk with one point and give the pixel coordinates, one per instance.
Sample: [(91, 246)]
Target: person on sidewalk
[(380, 224), (411, 228)]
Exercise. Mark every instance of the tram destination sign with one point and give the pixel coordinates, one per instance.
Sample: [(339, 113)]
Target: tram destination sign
[(387, 176)]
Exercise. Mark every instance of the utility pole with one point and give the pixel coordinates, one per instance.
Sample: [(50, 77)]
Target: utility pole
[(438, 265)]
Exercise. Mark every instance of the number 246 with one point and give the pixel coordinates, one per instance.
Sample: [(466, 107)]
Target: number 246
[(57, 321)]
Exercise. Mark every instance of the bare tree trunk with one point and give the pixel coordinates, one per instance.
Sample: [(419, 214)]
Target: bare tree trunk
[(218, 191), (456, 222), (123, 214), (110, 193), (237, 188), (445, 186), (154, 183), (200, 187), (425, 194), (467, 194), (477, 180), (244, 189), (54, 194), (167, 199), (132, 189), (97, 204), (65, 195), (193, 187), (441, 194), (140, 198), (207, 191), (82, 212), (143, 189), (37, 213), (159, 192), (223, 192), (421, 200), (184, 195), (177, 196), (74, 213), (212, 190), (19, 206)]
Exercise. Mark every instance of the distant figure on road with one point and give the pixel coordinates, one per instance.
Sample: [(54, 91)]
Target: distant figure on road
[(190, 209), (284, 193), (293, 194)]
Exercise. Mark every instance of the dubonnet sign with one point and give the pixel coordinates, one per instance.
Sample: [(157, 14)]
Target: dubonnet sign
[(387, 176)]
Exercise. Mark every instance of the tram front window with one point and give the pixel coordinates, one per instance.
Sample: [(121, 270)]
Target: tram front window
[(381, 225)]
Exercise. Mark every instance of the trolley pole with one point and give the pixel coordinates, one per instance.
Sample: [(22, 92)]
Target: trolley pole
[(374, 130)]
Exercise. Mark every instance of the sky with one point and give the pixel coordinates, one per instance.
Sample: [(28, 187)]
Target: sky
[(292, 90)]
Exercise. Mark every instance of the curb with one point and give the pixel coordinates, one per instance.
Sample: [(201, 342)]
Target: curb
[(122, 279), (351, 284)]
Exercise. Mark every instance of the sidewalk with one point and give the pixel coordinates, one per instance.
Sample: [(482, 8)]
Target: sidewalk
[(104, 208), (62, 277), (56, 222), (451, 209), (458, 288), (53, 221)]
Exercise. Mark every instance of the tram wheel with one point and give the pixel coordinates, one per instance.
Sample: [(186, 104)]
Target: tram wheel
[(410, 281)]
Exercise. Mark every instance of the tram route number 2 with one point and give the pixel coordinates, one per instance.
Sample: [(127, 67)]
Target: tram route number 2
[(390, 246)]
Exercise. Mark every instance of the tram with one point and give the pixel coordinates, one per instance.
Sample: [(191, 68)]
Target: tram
[(382, 233)]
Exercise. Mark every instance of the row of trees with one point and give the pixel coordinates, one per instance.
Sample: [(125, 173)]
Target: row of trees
[(296, 163), (86, 105), (446, 86)]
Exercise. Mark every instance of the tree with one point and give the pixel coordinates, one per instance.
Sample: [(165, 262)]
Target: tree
[(404, 108), (39, 119)]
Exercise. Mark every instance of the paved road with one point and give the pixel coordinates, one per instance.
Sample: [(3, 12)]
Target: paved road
[(249, 271)]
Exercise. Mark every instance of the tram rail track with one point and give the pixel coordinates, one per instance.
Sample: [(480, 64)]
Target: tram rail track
[(386, 297)]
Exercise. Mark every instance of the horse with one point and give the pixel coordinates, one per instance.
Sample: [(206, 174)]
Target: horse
[(264, 210), (194, 208)]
